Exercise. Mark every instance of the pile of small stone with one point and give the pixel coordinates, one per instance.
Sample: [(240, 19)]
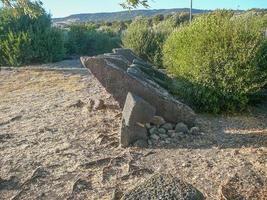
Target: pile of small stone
[(160, 131)]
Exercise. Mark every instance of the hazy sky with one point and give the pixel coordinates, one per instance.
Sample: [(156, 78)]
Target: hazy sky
[(60, 8)]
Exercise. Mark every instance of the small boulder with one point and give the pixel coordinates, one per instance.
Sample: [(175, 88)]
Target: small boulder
[(153, 130), (194, 130), (148, 125), (141, 143), (162, 131), (181, 127), (167, 126), (157, 120), (136, 113), (178, 135), (170, 132), (163, 136), (154, 137)]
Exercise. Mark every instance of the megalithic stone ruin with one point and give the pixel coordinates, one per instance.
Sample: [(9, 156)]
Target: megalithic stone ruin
[(115, 72)]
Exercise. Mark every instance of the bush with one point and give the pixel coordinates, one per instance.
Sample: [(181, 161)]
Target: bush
[(146, 37), (220, 60), (144, 41), (86, 40), (15, 49), (26, 39)]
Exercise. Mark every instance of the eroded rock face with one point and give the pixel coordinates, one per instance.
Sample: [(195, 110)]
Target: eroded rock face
[(164, 187), (136, 113), (115, 74)]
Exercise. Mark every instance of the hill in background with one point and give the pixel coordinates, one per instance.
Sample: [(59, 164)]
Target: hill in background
[(120, 16)]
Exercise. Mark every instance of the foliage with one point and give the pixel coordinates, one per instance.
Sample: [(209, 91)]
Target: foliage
[(144, 41), (219, 60), (146, 37), (25, 39), (15, 49), (129, 4), (27, 7), (87, 40)]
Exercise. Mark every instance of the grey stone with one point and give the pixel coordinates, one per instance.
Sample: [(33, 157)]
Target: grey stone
[(157, 120), (194, 131), (162, 131), (181, 127), (112, 74), (170, 132), (168, 141), (167, 126), (153, 130), (126, 53), (178, 135), (150, 142), (163, 136), (141, 143), (162, 186), (136, 113), (148, 125), (154, 137)]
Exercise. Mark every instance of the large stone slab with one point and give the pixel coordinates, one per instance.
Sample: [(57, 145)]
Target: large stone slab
[(136, 113), (112, 74), (165, 187)]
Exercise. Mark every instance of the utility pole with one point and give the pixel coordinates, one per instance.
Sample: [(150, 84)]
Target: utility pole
[(191, 6)]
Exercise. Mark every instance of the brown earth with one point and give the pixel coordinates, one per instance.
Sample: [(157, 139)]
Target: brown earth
[(54, 146)]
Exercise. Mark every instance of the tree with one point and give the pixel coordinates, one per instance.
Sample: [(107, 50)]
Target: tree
[(127, 4), (130, 4), (32, 9)]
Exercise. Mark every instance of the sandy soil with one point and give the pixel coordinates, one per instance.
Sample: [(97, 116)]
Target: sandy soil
[(53, 146)]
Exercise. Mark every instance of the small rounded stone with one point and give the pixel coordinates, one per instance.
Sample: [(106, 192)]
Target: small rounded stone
[(167, 126), (163, 136), (141, 143), (181, 127), (154, 137), (153, 130), (194, 130), (162, 131), (157, 120)]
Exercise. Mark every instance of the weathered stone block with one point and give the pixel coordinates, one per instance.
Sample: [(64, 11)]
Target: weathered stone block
[(118, 81), (136, 113)]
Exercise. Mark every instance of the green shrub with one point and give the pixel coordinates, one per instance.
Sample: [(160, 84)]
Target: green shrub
[(146, 37), (144, 41), (25, 39), (220, 60), (86, 40), (15, 49)]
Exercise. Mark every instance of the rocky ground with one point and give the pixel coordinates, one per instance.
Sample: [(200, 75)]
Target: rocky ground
[(54, 145)]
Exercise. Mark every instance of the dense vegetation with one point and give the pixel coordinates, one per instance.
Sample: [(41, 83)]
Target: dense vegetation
[(221, 59), (87, 40), (25, 39), (147, 36)]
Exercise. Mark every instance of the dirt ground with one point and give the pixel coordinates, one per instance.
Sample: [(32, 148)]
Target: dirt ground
[(53, 146)]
